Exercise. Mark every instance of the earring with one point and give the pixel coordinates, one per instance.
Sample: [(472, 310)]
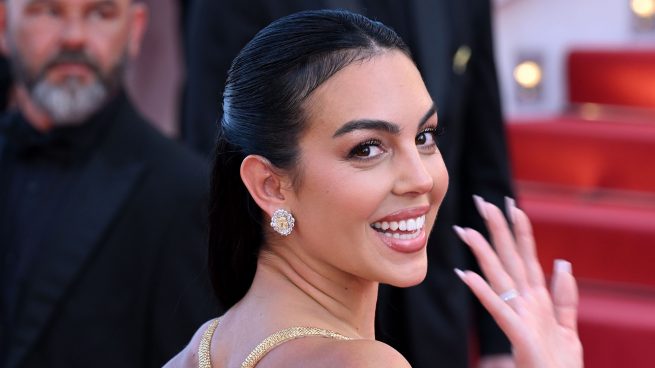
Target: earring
[(282, 222)]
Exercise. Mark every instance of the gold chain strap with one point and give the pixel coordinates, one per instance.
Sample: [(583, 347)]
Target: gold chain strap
[(204, 357), (285, 335)]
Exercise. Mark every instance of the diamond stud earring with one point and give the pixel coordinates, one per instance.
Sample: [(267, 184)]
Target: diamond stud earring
[(282, 222)]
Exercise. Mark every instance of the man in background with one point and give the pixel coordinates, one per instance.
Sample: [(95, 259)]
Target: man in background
[(102, 247)]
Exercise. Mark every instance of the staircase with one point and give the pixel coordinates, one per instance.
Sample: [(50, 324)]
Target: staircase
[(587, 181)]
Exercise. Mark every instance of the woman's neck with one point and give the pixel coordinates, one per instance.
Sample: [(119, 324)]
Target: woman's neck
[(303, 295)]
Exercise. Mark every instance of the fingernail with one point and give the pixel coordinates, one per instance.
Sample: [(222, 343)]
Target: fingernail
[(510, 206), (561, 265), (480, 204), (460, 232), (460, 273)]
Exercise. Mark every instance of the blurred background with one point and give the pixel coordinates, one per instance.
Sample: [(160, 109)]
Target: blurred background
[(578, 90)]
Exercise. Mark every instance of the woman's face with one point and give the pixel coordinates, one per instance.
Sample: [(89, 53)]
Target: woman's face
[(371, 175)]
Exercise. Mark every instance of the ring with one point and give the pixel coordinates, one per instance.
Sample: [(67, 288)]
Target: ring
[(509, 295)]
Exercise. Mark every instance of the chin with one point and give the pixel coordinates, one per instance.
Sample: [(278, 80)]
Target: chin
[(409, 277)]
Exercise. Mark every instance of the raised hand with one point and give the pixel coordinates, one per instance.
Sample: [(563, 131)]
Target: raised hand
[(541, 324)]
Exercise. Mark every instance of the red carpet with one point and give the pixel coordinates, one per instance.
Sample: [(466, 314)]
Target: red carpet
[(589, 189), (612, 77)]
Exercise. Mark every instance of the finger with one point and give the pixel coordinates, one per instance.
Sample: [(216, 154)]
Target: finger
[(505, 317), (564, 291), (497, 360), (503, 241), (487, 259), (525, 244)]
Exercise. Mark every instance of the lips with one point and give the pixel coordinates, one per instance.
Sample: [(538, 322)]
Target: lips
[(403, 231)]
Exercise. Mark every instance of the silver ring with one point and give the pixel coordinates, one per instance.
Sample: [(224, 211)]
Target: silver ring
[(509, 295)]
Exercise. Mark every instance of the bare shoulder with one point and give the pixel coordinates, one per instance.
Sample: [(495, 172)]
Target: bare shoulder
[(320, 352), (371, 353), (188, 357)]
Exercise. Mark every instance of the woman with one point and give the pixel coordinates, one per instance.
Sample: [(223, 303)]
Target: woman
[(330, 136)]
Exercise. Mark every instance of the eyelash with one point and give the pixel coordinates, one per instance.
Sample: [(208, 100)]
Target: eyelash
[(436, 131), (367, 143)]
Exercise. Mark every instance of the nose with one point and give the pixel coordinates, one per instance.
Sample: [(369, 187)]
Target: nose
[(414, 176), (73, 33)]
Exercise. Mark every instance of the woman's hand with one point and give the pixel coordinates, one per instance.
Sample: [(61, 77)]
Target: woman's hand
[(541, 325)]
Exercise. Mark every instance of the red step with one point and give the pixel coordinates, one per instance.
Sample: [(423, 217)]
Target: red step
[(607, 237), (589, 189), (584, 154), (617, 326), (612, 77)]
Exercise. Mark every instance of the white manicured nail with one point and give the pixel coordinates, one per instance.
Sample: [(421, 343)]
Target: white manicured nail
[(460, 232), (510, 207), (560, 265), (480, 204), (460, 273)]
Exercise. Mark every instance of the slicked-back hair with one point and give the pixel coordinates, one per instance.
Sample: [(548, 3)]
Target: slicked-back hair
[(266, 87)]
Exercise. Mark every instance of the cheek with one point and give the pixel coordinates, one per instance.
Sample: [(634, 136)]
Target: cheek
[(35, 45), (338, 197), (106, 41), (441, 179), (107, 49)]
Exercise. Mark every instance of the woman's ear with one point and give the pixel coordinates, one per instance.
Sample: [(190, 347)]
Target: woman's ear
[(263, 182)]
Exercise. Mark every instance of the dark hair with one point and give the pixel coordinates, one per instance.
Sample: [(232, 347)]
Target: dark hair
[(262, 114)]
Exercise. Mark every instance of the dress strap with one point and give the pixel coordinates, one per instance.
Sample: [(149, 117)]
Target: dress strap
[(285, 335), (204, 357)]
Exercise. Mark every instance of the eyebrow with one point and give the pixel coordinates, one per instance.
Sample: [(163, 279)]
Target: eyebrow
[(382, 125), (431, 111)]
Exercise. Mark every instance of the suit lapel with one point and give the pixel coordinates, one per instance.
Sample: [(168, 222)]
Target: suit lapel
[(78, 231)]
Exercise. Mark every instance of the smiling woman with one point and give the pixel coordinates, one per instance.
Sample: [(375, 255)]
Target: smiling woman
[(370, 138), (329, 132)]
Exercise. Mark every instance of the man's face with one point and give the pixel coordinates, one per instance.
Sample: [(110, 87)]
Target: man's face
[(70, 54)]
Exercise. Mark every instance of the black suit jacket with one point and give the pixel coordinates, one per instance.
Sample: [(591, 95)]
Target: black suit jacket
[(121, 280), (451, 43)]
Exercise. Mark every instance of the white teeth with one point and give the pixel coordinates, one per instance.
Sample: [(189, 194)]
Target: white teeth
[(412, 224), (402, 236)]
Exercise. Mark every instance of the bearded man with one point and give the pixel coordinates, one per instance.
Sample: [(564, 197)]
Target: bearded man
[(101, 218)]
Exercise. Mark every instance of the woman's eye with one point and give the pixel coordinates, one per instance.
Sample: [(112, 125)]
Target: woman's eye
[(422, 138), (366, 150), (428, 137)]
